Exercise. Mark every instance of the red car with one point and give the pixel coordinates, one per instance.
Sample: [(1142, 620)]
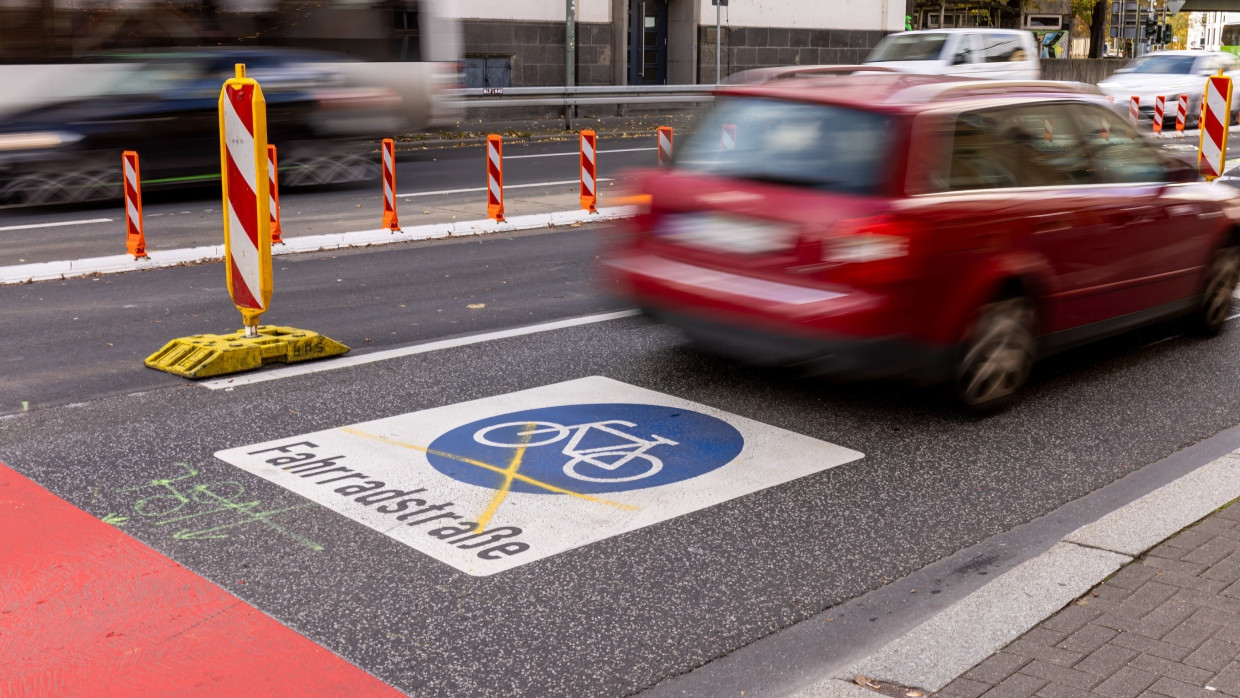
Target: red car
[(878, 224)]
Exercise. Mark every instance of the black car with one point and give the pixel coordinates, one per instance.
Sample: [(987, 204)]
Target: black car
[(166, 108)]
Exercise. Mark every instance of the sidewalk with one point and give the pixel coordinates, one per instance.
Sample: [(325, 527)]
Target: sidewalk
[(1142, 603), (1167, 624)]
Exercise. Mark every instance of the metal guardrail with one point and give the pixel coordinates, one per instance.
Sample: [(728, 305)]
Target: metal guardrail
[(483, 97)]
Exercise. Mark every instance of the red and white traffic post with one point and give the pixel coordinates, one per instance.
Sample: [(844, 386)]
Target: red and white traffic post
[(247, 218), (1160, 108), (390, 220), (1214, 122), (495, 177), (1048, 130), (727, 138), (1134, 109), (589, 171), (1181, 112), (135, 240), (665, 145), (273, 185)]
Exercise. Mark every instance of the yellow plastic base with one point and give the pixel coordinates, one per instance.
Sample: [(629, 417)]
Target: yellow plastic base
[(206, 355)]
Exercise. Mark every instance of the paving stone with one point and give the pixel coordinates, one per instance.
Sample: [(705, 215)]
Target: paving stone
[(1072, 618), (1226, 570), (1111, 592), (1191, 580), (1145, 645), (1213, 655), (1106, 660), (1207, 600), (1214, 525), (1088, 638), (1228, 680), (1195, 630), (1060, 674), (1058, 690), (1212, 552), (1016, 686), (1045, 636), (1148, 597), (1174, 670), (1186, 541), (1054, 655), (1231, 512), (1131, 577), (997, 667), (965, 688), (1125, 683), (1179, 689), (1163, 565)]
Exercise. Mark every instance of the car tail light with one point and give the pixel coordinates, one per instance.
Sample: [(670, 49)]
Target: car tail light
[(875, 250)]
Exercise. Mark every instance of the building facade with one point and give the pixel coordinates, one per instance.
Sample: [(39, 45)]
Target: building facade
[(631, 42)]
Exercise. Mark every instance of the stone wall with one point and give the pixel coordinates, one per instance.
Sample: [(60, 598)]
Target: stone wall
[(760, 47), (537, 50)]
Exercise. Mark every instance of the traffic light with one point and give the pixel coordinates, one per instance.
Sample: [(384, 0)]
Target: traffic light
[(1150, 28), (1167, 34)]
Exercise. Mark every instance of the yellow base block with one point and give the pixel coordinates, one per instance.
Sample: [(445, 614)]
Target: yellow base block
[(207, 355)]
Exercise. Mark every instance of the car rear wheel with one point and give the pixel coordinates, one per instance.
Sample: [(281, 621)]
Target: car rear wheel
[(65, 186), (1216, 298), (997, 356)]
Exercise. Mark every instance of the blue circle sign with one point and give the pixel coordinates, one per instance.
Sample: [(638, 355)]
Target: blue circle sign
[(586, 449)]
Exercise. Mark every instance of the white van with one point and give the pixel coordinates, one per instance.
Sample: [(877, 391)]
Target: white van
[(977, 52)]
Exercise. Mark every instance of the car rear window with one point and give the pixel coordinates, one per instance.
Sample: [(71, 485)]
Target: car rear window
[(820, 146), (908, 47), (1167, 65)]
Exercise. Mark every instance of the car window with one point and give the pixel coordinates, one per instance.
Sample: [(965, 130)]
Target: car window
[(1168, 65), (1117, 152), (1031, 145), (1002, 48), (909, 47), (819, 146), (967, 48)]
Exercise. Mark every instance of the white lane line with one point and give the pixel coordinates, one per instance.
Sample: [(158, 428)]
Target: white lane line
[(574, 153), (56, 225), (333, 364), (506, 186), (1233, 317)]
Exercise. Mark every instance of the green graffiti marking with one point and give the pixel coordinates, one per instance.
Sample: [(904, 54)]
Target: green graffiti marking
[(175, 501), (115, 520)]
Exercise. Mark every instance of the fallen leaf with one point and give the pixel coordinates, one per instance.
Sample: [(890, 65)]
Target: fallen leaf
[(862, 680), (1082, 602), (913, 694), (476, 306)]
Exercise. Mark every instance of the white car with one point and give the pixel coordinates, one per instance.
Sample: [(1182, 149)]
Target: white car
[(978, 52), (1170, 74)]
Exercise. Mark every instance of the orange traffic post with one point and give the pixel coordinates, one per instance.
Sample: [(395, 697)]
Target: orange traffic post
[(273, 183), (495, 177), (665, 145), (135, 241), (389, 186), (589, 171), (1134, 109), (1181, 112), (1160, 110)]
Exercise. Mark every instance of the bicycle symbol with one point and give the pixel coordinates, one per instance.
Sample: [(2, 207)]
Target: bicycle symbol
[(608, 458), (590, 448)]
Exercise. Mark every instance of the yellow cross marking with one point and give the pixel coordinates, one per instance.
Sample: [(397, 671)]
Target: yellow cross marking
[(510, 473)]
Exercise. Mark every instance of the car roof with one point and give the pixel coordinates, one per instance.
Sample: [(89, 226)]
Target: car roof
[(883, 90), (961, 30)]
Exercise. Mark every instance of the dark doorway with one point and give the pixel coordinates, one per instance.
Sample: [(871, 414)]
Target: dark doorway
[(647, 43)]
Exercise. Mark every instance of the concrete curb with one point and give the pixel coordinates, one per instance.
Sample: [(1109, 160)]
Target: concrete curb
[(935, 653), (49, 271)]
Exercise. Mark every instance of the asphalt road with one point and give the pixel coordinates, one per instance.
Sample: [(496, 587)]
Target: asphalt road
[(631, 612), (446, 183)]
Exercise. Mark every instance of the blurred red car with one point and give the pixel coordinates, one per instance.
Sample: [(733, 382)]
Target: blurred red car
[(877, 224)]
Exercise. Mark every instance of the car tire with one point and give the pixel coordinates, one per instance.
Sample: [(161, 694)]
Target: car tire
[(1221, 279), (995, 359)]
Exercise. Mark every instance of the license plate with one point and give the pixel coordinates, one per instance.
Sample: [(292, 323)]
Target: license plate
[(725, 233)]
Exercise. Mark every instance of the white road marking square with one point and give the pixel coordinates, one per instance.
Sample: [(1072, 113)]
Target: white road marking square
[(492, 484)]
